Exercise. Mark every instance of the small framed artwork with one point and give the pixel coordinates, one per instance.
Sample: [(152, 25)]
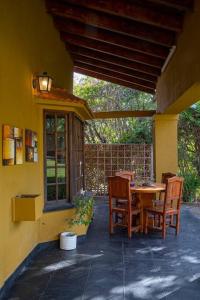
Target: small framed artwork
[(31, 146), (12, 145)]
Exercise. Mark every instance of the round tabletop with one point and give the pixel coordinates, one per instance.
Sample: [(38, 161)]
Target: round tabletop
[(156, 187)]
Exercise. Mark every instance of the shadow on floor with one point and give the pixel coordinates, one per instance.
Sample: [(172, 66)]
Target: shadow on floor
[(104, 267)]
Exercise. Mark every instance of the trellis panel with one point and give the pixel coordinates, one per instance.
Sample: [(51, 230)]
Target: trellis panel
[(103, 160)]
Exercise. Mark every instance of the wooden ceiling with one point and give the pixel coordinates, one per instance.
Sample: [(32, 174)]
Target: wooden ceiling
[(122, 41)]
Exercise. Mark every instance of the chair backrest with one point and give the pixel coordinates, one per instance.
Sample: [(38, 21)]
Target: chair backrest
[(173, 194), (119, 187), (126, 174), (166, 176)]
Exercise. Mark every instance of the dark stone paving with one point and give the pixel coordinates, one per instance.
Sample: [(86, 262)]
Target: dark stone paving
[(105, 267)]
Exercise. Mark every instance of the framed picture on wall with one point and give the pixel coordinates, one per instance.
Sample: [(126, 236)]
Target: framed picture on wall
[(12, 145), (31, 145)]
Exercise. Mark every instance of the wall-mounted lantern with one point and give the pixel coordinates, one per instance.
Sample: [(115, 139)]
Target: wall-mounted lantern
[(42, 83)]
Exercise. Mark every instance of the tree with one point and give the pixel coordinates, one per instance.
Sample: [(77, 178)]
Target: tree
[(189, 150), (105, 96)]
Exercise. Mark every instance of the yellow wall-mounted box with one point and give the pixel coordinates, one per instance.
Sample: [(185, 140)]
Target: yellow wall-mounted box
[(27, 208)]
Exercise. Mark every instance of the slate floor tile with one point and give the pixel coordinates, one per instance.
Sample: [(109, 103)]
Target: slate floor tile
[(105, 267)]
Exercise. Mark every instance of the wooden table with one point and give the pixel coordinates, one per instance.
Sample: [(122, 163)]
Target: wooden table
[(146, 195)]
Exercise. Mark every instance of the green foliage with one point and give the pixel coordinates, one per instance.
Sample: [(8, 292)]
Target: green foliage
[(105, 96), (191, 187), (83, 210), (189, 151)]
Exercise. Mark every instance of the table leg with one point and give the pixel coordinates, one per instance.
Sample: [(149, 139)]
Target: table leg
[(145, 200)]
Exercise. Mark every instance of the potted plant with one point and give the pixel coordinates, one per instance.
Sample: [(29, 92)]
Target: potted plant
[(83, 204)]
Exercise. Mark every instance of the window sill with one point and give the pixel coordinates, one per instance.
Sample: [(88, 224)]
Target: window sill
[(58, 208)]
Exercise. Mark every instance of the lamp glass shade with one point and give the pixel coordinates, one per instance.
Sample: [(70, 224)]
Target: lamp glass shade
[(44, 82)]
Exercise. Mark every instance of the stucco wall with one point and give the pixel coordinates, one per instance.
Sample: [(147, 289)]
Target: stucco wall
[(179, 85), (165, 144), (29, 43)]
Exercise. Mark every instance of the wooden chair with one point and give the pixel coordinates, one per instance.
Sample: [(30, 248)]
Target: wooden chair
[(165, 177), (170, 208), (131, 176), (119, 189), (127, 174)]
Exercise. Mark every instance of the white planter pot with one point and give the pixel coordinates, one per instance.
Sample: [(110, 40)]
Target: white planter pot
[(68, 240)]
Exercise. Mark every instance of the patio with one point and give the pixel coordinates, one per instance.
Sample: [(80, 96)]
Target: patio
[(148, 46), (145, 267)]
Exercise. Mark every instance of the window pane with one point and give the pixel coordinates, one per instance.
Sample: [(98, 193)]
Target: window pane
[(50, 142), (50, 123), (61, 142), (51, 153), (61, 191), (51, 192), (51, 161), (51, 175), (61, 160), (61, 175), (60, 124)]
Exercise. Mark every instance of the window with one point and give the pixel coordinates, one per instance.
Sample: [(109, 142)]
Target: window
[(63, 157), (56, 158)]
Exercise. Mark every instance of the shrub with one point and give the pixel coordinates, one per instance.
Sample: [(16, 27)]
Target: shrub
[(83, 204), (190, 187)]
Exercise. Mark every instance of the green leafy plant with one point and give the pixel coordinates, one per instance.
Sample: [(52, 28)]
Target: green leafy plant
[(190, 187), (83, 210)]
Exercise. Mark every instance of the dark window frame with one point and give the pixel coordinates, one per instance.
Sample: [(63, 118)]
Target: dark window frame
[(70, 163)]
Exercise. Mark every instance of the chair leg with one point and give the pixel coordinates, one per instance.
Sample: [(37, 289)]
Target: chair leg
[(172, 220), (164, 227), (154, 221), (111, 223), (146, 223), (116, 218), (159, 221), (129, 226), (141, 221), (177, 223)]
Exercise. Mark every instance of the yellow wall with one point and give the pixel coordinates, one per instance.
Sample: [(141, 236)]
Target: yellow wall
[(179, 85), (30, 44), (165, 144), (53, 223)]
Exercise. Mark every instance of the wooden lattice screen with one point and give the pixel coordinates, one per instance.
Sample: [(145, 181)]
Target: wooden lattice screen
[(103, 160)]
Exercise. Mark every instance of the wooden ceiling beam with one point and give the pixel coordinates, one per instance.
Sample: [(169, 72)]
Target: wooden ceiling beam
[(124, 114), (77, 28), (117, 61), (181, 5), (138, 11), (114, 80), (79, 59), (114, 74), (110, 49), (113, 23)]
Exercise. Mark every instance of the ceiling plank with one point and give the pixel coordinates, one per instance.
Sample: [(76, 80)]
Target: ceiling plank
[(114, 74), (77, 28), (117, 61), (113, 23), (110, 49), (123, 114), (107, 66), (114, 80), (182, 5), (138, 11)]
